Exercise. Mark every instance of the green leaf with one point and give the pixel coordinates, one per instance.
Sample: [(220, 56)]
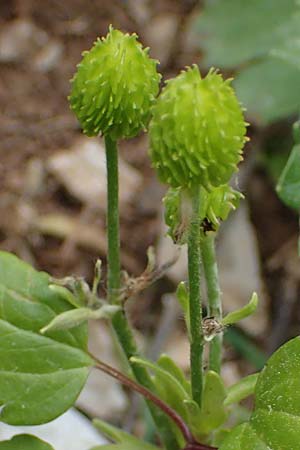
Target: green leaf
[(288, 51), (242, 389), (27, 302), (167, 363), (75, 317), (235, 31), (168, 387), (124, 441), (243, 437), (296, 132), (241, 313), (66, 294), (25, 442), (212, 414), (288, 187), (40, 378), (275, 421), (276, 87)]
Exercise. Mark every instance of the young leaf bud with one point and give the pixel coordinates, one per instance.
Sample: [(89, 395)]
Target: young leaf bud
[(197, 131), (114, 87)]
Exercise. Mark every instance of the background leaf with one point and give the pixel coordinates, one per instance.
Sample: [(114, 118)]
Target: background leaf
[(235, 31), (25, 442), (268, 77), (269, 89), (288, 187)]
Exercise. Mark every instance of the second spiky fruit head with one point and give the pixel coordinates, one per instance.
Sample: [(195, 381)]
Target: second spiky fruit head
[(114, 87), (197, 131)]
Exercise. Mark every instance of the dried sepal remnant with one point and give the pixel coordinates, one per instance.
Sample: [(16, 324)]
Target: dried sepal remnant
[(114, 87), (197, 131)]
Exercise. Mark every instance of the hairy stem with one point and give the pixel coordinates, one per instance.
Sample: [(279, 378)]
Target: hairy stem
[(113, 233), (210, 267), (119, 321), (194, 263)]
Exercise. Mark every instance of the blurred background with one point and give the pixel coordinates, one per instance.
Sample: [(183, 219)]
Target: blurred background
[(52, 179)]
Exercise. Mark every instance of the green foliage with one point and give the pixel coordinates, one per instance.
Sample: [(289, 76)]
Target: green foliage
[(123, 441), (269, 75), (172, 386), (114, 87), (167, 385), (234, 31), (242, 389), (242, 313), (27, 302), (275, 421), (269, 89), (197, 134), (40, 377), (25, 442), (197, 131), (78, 316), (288, 187), (213, 413)]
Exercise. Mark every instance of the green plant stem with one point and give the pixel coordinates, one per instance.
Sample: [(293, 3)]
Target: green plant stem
[(119, 321), (113, 232), (194, 264), (208, 254)]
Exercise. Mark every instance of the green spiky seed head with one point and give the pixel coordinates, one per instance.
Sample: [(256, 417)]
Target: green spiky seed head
[(197, 131), (114, 87)]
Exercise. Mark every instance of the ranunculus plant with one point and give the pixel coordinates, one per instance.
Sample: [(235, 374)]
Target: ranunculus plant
[(197, 133)]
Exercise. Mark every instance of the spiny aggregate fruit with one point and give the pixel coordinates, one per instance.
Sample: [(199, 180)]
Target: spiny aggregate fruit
[(197, 131), (114, 87)]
